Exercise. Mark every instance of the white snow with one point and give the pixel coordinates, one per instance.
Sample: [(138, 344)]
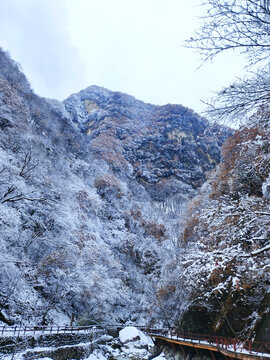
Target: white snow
[(130, 333), (160, 357), (96, 355), (135, 343), (235, 281)]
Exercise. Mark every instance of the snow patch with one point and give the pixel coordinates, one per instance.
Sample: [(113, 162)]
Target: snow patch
[(132, 334), (136, 344), (160, 357), (96, 355)]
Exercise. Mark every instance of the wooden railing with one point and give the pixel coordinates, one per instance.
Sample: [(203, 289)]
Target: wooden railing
[(219, 342), (23, 330)]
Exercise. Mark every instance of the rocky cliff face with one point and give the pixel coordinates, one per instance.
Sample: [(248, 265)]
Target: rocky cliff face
[(92, 195), (168, 149), (227, 236)]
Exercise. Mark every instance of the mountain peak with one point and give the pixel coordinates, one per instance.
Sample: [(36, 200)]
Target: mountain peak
[(11, 72), (91, 191), (163, 144)]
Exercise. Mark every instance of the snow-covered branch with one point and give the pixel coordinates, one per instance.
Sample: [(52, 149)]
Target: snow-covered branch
[(243, 26), (257, 252)]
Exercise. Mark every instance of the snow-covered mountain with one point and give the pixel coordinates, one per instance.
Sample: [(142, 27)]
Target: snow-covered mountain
[(93, 195), (226, 269), (168, 149)]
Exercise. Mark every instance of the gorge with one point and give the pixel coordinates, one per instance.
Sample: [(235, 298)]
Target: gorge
[(114, 211)]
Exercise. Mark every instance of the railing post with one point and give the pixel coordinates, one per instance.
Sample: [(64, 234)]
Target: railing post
[(234, 345)]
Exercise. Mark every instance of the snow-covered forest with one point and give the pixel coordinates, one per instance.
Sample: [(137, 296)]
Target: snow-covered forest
[(117, 211), (93, 197)]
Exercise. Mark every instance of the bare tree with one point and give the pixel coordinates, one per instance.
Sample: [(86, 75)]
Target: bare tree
[(12, 195), (242, 25), (13, 192), (243, 98), (28, 164), (235, 24)]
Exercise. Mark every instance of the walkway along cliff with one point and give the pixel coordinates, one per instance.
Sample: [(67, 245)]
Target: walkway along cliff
[(19, 338)]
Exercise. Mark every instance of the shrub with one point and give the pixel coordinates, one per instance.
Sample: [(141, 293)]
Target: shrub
[(107, 185)]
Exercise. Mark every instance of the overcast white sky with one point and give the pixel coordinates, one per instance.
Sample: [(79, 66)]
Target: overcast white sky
[(133, 46)]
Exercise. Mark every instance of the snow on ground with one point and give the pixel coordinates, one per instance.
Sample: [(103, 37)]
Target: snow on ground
[(130, 333), (96, 355), (132, 343), (21, 357), (135, 343), (160, 357)]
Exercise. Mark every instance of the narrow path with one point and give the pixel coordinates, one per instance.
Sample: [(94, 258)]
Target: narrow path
[(23, 330), (230, 348)]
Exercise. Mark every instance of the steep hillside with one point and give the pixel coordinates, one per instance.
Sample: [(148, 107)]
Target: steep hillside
[(168, 149), (226, 267), (91, 196)]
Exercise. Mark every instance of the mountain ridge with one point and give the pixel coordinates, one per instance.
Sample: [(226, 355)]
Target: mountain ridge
[(89, 223), (142, 134)]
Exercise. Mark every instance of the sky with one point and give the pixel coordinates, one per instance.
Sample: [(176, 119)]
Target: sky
[(132, 46)]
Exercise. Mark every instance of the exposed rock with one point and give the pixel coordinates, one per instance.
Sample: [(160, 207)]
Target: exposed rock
[(226, 266), (131, 344), (167, 148), (90, 196)]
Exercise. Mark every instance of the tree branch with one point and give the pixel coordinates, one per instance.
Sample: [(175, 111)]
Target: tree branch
[(257, 252)]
